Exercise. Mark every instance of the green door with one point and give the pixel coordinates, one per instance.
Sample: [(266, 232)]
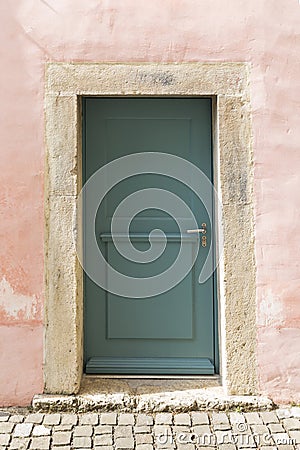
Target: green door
[(169, 328)]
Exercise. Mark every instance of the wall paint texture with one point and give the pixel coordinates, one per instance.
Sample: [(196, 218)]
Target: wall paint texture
[(265, 33)]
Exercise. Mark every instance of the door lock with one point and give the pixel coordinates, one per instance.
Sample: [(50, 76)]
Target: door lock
[(200, 230)]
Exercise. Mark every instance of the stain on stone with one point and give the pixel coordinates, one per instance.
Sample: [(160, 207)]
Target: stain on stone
[(164, 78)]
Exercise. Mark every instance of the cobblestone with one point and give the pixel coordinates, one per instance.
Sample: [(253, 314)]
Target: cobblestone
[(126, 419), (276, 428), (23, 429), (62, 438), (52, 419), (35, 418), (182, 419), (103, 429), (17, 418), (253, 418), (40, 443), (82, 442), (199, 418), (6, 427), (89, 419), (103, 439), (41, 430), (19, 443), (269, 417), (163, 419), (4, 439), (83, 430), (108, 419), (198, 430), (144, 419), (291, 424), (124, 443)]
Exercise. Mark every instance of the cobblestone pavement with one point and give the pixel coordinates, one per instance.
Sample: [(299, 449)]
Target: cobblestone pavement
[(187, 431)]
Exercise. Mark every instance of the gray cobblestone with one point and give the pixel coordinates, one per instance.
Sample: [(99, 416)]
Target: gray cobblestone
[(52, 419), (19, 444), (69, 419), (103, 429), (82, 442), (291, 424), (223, 437), (221, 426), (23, 429), (40, 443), (280, 438), (6, 427), (144, 419), (103, 439), (126, 419), (163, 419), (186, 446), (124, 443), (295, 435), (182, 419), (4, 439), (144, 447), (219, 418), (201, 429), (283, 413), (123, 431), (83, 430), (276, 428), (226, 447), (16, 418), (253, 418), (269, 417), (108, 419), (199, 418), (144, 439), (89, 419), (259, 429), (39, 431), (236, 417), (295, 411), (36, 418), (62, 438), (162, 429)]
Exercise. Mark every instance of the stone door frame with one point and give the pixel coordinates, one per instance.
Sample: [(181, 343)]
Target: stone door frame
[(228, 85)]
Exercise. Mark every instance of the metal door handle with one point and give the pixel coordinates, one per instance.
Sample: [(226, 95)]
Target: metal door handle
[(197, 230)]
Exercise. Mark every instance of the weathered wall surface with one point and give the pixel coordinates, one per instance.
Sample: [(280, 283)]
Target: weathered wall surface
[(263, 32)]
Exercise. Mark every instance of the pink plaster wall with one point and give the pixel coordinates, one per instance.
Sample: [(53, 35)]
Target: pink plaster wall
[(263, 32)]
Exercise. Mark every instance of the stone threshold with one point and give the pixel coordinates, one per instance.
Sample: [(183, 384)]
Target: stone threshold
[(145, 395)]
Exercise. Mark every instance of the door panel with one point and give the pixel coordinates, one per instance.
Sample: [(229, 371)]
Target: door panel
[(172, 332)]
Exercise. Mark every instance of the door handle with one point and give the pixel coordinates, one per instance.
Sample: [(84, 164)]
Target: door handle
[(198, 230)]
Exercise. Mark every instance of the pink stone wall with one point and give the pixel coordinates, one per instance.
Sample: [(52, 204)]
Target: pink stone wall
[(263, 32)]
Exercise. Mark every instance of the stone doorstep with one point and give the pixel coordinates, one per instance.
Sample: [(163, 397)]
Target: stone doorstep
[(180, 401)]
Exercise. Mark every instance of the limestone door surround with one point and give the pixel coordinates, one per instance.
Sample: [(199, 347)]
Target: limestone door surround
[(228, 85)]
